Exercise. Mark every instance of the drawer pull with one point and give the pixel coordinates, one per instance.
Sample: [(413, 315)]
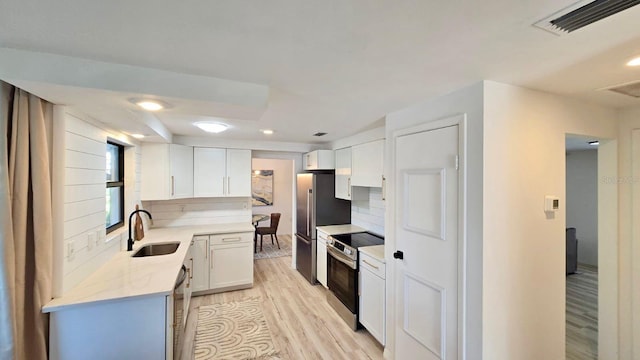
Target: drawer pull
[(235, 239), (370, 264)]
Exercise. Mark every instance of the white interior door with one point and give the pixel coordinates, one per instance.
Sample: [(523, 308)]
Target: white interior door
[(426, 232)]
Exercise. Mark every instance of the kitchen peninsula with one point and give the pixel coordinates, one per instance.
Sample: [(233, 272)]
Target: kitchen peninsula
[(136, 294)]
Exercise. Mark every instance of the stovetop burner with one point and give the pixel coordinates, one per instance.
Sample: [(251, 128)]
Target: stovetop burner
[(356, 240)]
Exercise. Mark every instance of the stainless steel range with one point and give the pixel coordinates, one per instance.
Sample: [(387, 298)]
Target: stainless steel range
[(342, 272)]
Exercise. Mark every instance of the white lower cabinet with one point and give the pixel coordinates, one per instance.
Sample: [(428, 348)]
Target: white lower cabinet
[(222, 262), (231, 260), (372, 296), (321, 258), (200, 268)]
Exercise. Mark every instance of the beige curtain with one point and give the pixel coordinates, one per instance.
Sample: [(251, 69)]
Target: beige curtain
[(26, 232)]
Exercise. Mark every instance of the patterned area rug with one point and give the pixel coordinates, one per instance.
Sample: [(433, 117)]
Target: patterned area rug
[(272, 251), (234, 330)]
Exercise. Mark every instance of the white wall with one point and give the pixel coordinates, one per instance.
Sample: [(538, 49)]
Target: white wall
[(283, 189), (79, 182), (524, 253), (468, 101), (582, 202), (629, 244)]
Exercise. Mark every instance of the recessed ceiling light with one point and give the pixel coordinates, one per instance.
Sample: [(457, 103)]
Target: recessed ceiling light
[(138, 136), (594, 143), (150, 105), (634, 62), (212, 127), (267, 131)]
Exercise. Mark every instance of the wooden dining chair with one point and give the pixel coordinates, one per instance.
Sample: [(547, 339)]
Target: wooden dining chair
[(271, 230)]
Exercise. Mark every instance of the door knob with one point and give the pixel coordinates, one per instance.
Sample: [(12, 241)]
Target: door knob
[(398, 255)]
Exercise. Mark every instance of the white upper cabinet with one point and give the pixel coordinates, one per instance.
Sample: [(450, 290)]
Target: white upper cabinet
[(343, 173), (209, 176), (221, 172), (166, 171), (367, 164), (318, 160), (238, 172)]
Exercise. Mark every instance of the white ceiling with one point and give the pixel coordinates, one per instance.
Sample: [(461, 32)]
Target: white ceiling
[(333, 66)]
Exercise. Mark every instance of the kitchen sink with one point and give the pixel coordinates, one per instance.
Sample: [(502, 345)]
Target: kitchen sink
[(157, 249)]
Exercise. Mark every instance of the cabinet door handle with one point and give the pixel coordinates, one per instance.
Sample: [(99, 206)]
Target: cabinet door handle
[(370, 264), (235, 239), (228, 185), (191, 270), (224, 185), (211, 261), (189, 277), (173, 185), (384, 188), (349, 187)]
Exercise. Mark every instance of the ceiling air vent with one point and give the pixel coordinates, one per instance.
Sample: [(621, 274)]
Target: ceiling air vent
[(320, 134), (583, 13), (630, 89)]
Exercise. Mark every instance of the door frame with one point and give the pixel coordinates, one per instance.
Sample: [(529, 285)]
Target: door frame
[(459, 119)]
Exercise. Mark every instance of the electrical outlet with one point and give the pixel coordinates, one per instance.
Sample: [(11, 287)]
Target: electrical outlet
[(98, 237), (70, 251), (91, 240)]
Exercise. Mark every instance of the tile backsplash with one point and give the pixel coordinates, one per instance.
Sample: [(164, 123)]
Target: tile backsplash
[(368, 210), (199, 211)]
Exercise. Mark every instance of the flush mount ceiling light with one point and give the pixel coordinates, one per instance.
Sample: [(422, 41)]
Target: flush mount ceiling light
[(212, 127), (148, 104), (594, 143), (634, 62), (138, 136), (267, 131)]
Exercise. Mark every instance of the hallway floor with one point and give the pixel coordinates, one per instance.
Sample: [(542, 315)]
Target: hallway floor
[(582, 314)]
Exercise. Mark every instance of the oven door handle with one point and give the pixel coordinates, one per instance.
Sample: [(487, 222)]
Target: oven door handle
[(341, 257)]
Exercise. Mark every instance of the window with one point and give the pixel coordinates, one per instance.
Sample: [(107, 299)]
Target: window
[(115, 186)]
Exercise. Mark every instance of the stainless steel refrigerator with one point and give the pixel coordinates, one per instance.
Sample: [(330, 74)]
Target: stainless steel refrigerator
[(316, 206)]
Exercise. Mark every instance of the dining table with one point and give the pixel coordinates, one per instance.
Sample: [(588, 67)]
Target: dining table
[(256, 219)]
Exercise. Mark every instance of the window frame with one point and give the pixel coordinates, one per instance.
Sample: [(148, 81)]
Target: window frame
[(118, 184)]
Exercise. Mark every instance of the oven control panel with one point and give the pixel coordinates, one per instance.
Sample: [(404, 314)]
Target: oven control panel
[(347, 250)]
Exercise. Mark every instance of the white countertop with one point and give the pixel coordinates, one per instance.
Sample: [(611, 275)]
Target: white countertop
[(340, 229), (125, 277), (376, 251)]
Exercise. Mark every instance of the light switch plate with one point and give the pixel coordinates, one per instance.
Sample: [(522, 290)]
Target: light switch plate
[(70, 250)]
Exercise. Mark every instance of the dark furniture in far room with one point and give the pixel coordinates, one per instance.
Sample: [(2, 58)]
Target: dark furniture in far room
[(572, 251), (271, 230)]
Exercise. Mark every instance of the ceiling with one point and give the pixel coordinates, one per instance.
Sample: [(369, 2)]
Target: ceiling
[(306, 66)]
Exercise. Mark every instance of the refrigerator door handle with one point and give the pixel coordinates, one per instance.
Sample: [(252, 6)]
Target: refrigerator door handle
[(309, 209)]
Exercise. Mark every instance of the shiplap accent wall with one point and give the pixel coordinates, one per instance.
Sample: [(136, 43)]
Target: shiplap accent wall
[(199, 211), (367, 211), (84, 165)]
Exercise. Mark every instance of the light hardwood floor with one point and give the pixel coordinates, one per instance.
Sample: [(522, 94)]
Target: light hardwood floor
[(302, 324), (582, 314)]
